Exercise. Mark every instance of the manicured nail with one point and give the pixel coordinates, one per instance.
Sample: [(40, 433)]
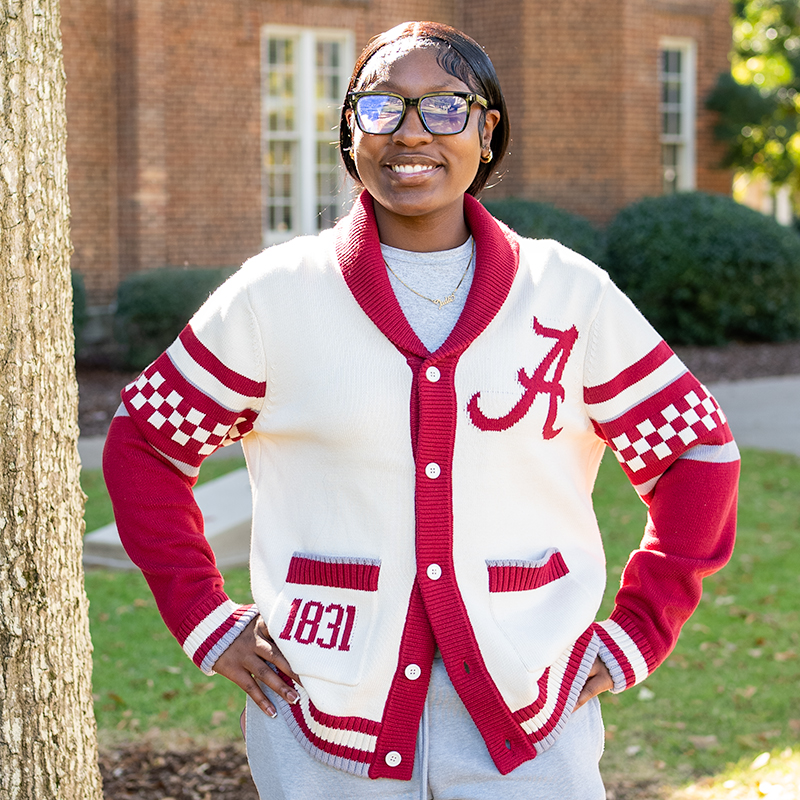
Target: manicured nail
[(293, 697), (269, 711)]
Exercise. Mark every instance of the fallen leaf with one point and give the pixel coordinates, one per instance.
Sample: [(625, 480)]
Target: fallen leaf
[(645, 694), (788, 655), (725, 600), (633, 750), (703, 742), (760, 761)]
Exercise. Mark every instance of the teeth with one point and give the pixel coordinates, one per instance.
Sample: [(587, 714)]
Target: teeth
[(410, 168)]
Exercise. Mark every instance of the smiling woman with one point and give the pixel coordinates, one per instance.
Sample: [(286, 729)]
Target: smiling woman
[(423, 398)]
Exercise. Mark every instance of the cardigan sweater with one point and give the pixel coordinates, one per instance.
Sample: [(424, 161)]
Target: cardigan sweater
[(404, 499)]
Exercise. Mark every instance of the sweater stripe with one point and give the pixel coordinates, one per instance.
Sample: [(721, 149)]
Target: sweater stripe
[(201, 645), (642, 369), (565, 679), (246, 391)]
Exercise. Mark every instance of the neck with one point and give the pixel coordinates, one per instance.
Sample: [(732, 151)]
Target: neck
[(442, 230)]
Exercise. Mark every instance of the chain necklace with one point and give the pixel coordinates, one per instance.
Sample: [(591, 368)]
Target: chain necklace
[(451, 296)]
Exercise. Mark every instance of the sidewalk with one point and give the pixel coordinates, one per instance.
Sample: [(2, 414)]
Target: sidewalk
[(763, 413)]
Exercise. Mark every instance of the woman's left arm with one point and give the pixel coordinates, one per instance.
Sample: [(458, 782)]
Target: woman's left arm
[(676, 448)]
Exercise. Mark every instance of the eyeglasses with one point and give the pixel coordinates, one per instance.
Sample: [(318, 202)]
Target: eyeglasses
[(442, 113)]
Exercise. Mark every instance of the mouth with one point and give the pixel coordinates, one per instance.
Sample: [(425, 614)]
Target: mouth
[(411, 169)]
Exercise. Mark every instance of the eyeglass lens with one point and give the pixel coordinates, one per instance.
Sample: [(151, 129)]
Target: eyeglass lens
[(441, 114)]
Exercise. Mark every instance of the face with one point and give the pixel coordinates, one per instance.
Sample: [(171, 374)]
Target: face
[(411, 173)]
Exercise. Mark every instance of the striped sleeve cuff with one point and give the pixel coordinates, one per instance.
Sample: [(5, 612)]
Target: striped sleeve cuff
[(627, 661), (214, 634)]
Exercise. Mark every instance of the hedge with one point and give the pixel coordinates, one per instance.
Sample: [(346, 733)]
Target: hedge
[(153, 307), (706, 270), (544, 221)]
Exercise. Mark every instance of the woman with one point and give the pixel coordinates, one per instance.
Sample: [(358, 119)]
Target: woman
[(423, 398)]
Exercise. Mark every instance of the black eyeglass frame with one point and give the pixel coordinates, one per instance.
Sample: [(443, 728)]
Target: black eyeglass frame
[(413, 102)]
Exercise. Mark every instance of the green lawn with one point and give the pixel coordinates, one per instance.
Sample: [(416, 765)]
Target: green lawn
[(727, 694)]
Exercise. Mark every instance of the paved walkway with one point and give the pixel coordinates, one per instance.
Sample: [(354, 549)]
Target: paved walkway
[(763, 413)]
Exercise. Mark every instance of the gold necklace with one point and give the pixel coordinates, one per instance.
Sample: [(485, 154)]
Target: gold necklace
[(451, 296)]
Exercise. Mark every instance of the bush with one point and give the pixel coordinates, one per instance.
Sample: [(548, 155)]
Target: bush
[(80, 316), (153, 307), (706, 270), (543, 221)]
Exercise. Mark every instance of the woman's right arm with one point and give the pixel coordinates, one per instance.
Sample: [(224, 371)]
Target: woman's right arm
[(204, 392)]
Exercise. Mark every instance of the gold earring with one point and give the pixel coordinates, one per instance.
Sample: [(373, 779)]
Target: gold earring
[(486, 155)]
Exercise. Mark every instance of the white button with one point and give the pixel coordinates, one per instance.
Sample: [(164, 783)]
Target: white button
[(393, 758), (433, 470), (433, 374), (434, 572), (413, 672)]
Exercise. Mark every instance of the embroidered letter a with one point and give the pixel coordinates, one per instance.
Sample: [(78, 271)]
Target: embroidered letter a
[(533, 384)]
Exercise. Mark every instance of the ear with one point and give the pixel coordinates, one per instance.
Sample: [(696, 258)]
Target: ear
[(491, 118)]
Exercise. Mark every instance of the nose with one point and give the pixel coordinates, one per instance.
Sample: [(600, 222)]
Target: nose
[(411, 130)]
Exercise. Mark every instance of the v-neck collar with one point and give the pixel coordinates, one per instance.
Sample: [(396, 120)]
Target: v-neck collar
[(358, 251)]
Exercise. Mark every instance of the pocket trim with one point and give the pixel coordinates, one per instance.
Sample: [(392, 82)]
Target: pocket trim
[(522, 576), (360, 574)]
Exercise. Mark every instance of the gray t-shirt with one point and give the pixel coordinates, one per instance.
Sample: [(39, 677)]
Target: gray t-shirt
[(436, 276)]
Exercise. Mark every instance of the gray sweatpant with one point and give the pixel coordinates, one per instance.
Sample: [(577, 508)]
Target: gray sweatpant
[(451, 762)]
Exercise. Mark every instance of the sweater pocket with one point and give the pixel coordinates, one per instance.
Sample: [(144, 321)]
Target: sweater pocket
[(323, 618), (539, 605)]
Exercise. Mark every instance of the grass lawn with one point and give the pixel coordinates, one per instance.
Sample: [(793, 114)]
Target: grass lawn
[(725, 697)]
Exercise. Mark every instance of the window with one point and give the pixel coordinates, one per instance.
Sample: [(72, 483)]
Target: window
[(677, 79), (304, 74)]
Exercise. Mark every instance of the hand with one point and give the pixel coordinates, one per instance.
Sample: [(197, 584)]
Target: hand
[(599, 681), (247, 660)]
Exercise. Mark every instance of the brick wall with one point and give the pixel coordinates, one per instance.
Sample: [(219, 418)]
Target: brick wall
[(164, 112), (87, 34)]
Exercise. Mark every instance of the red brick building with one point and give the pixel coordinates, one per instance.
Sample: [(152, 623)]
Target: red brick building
[(192, 139)]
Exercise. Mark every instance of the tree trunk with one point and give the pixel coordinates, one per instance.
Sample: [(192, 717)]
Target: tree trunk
[(48, 738)]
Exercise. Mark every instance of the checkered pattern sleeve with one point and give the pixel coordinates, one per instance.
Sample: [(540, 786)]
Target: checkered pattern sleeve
[(204, 392), (674, 444)]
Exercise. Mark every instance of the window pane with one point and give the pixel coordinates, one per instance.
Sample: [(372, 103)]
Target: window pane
[(670, 159), (672, 92), (672, 122), (672, 61)]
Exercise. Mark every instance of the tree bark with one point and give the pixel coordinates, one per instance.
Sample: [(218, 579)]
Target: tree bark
[(48, 738)]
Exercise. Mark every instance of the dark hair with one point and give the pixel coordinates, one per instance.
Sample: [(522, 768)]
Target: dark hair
[(459, 56)]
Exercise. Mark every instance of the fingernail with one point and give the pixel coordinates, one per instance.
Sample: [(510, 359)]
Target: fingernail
[(269, 711), (293, 697)]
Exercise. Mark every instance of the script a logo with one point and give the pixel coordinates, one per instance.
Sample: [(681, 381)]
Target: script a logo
[(534, 385)]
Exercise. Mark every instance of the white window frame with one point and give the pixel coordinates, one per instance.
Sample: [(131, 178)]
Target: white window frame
[(305, 135), (685, 139)]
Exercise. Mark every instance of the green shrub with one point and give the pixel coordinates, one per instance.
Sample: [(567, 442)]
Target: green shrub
[(706, 270), (80, 315), (543, 221), (153, 307)]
